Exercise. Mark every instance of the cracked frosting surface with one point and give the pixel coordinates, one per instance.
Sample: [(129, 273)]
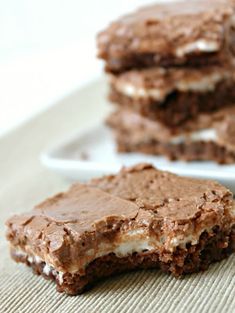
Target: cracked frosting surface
[(175, 29), (162, 192)]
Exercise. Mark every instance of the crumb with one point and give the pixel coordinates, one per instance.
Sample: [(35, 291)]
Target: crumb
[(84, 156)]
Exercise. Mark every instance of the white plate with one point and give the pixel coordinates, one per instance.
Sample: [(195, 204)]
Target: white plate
[(92, 153)]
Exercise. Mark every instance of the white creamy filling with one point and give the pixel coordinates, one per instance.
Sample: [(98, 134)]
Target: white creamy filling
[(137, 241), (137, 246), (201, 45), (204, 84), (133, 91), (134, 241), (208, 134), (182, 241), (48, 269)]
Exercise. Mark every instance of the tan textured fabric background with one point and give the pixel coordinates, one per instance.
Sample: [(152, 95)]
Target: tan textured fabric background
[(24, 182)]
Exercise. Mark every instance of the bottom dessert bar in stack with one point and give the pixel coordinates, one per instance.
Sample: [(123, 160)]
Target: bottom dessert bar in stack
[(207, 137)]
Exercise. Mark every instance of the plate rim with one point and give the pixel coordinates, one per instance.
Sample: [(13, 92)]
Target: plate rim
[(49, 160)]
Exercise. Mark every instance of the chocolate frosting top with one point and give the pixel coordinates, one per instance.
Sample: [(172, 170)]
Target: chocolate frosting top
[(174, 9), (168, 195), (163, 28), (83, 206)]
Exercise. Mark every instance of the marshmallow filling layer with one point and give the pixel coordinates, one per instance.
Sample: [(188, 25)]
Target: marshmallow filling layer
[(135, 241), (206, 83)]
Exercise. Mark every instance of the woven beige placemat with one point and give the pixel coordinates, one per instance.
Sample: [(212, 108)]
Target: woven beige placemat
[(24, 182)]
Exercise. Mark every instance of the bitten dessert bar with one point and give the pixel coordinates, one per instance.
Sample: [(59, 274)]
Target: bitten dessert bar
[(189, 32), (139, 218)]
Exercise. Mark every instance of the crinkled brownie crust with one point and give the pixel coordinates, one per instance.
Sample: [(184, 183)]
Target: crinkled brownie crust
[(167, 34), (211, 248)]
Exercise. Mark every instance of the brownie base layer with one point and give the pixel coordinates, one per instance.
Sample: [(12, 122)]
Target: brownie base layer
[(211, 248), (148, 60), (187, 151), (178, 107)]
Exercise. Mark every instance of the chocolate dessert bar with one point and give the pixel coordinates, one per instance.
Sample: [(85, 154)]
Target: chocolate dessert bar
[(139, 218), (207, 137), (174, 95), (199, 32)]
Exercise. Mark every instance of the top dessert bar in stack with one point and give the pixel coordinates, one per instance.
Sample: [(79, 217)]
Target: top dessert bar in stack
[(191, 32), (171, 63)]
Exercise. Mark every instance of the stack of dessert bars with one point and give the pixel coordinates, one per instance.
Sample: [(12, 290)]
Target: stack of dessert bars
[(172, 78)]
